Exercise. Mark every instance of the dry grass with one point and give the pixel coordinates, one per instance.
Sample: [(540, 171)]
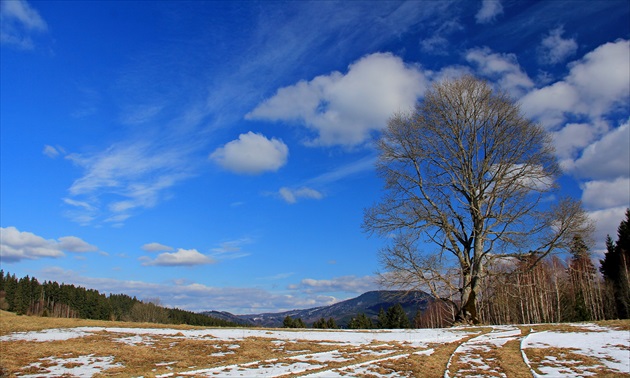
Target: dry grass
[(10, 322), (568, 362), (150, 355)]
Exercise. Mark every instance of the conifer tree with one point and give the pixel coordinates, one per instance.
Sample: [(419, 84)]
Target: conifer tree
[(361, 321), (382, 321), (397, 318), (615, 267), (288, 322), (331, 324)]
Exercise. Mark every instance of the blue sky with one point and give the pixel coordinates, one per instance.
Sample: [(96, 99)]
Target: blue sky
[(219, 155)]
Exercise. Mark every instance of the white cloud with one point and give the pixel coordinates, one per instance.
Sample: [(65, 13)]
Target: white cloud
[(17, 21), (140, 114), (605, 159), (129, 175), (193, 296), (338, 284), (51, 151), (74, 244), (596, 84), (341, 172), (438, 42), (503, 68), (554, 49), (252, 154), (606, 194), (291, 196), (18, 245), (489, 11), (232, 249), (606, 223), (81, 204), (183, 257), (156, 247), (345, 109), (573, 137)]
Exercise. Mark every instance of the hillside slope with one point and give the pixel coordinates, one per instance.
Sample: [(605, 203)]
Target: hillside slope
[(369, 303)]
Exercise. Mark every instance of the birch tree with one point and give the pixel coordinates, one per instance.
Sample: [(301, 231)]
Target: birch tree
[(466, 175)]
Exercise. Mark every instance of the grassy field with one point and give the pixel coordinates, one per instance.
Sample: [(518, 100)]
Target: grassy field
[(95, 348)]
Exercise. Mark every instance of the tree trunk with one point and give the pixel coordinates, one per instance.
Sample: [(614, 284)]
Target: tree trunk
[(467, 313)]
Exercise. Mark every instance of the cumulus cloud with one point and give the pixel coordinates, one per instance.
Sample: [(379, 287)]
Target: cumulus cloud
[(554, 49), (183, 257), (74, 244), (489, 11), (18, 20), (16, 245), (156, 247), (343, 109), (573, 137), (252, 154), (503, 68), (605, 159), (596, 84), (606, 223), (291, 196), (606, 194)]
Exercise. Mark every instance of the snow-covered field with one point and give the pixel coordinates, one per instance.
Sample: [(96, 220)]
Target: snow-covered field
[(577, 350)]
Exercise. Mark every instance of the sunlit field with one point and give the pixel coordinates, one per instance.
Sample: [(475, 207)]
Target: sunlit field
[(35, 347)]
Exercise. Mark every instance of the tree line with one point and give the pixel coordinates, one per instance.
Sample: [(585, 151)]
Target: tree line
[(27, 296), (392, 318), (551, 290)]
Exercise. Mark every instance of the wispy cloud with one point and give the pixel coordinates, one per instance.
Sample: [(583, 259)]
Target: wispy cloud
[(489, 11), (291, 196), (18, 21), (554, 49), (338, 284), (52, 152), (438, 42), (341, 172), (124, 177), (138, 171), (313, 188), (232, 249)]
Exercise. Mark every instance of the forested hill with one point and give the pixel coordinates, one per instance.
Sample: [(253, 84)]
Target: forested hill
[(368, 304), (30, 297)]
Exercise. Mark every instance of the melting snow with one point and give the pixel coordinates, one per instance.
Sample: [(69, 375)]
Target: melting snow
[(610, 347)]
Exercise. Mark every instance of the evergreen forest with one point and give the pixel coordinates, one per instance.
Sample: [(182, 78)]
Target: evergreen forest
[(27, 296)]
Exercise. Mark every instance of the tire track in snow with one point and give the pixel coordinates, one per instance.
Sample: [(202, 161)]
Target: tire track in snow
[(362, 368), (277, 367), (478, 352)]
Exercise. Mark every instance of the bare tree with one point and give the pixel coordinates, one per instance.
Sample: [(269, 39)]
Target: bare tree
[(467, 173)]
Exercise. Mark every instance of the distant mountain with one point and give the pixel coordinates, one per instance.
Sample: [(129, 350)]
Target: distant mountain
[(369, 303)]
